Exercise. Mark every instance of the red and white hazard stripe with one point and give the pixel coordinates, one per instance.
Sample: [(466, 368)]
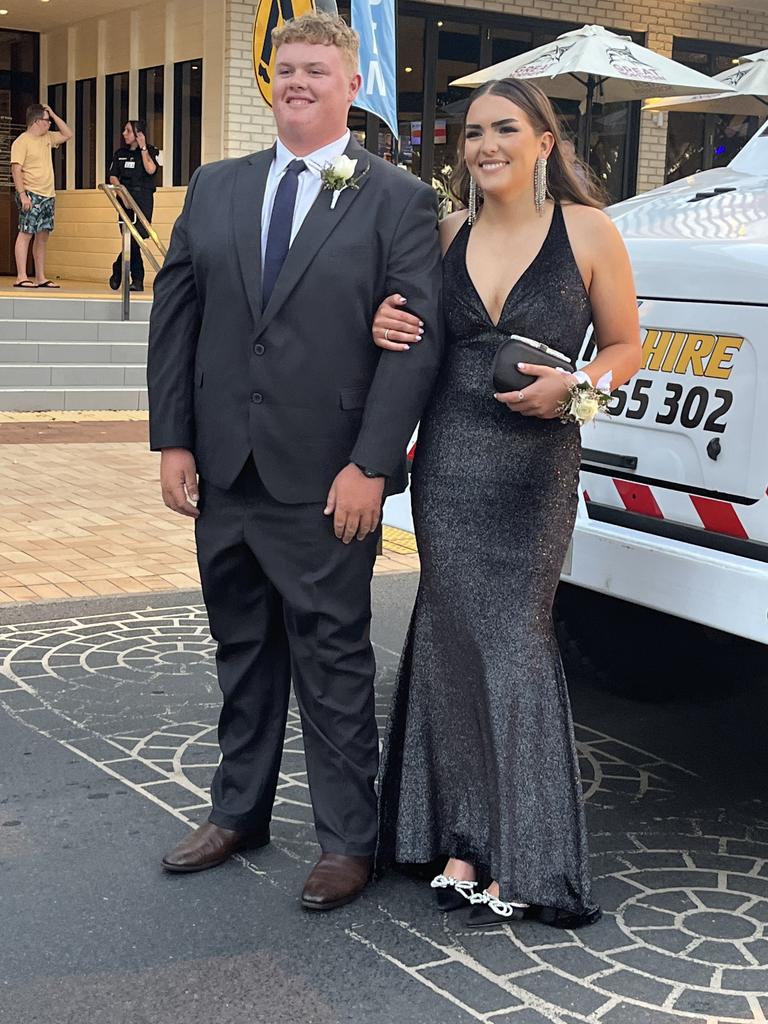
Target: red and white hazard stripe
[(746, 522)]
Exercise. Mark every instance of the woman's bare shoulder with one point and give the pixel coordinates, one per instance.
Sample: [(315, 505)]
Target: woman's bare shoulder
[(588, 221), (449, 228)]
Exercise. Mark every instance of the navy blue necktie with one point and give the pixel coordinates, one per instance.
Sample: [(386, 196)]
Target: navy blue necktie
[(280, 223)]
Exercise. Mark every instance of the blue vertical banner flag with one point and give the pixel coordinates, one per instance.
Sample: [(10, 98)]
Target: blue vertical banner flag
[(374, 20)]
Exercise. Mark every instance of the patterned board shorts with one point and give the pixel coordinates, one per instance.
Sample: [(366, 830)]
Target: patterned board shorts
[(39, 217)]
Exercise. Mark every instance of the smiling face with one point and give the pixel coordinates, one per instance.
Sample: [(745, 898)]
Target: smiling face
[(313, 90), (501, 147)]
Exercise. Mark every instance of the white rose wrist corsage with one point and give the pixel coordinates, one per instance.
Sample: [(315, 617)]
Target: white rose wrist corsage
[(585, 399)]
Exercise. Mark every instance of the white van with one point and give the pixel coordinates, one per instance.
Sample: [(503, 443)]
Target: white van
[(674, 507)]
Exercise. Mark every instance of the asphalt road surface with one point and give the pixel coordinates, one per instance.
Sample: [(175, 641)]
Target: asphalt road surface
[(107, 732)]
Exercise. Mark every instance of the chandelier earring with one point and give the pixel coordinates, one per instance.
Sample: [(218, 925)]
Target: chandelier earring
[(540, 184), (472, 204)]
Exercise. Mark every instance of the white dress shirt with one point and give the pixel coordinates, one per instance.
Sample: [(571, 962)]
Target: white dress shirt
[(309, 184)]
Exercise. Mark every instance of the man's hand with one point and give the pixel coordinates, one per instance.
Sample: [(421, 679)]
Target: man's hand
[(26, 202), (178, 481), (355, 502)]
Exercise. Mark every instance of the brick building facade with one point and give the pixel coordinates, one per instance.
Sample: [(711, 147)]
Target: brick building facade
[(187, 67), (660, 21)]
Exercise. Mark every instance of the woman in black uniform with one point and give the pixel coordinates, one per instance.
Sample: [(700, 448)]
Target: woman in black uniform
[(135, 166)]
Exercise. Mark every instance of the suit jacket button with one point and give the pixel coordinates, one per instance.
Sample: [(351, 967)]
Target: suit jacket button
[(258, 349), (256, 397)]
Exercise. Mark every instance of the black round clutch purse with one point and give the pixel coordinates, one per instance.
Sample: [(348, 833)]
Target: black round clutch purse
[(516, 349)]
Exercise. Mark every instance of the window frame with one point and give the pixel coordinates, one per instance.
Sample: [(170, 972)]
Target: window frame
[(57, 99), (110, 142), (80, 86), (186, 159), (155, 139)]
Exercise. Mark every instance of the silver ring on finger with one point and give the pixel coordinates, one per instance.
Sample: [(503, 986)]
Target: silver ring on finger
[(521, 396), (386, 335)]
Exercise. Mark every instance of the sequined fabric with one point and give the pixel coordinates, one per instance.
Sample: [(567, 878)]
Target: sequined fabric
[(479, 760)]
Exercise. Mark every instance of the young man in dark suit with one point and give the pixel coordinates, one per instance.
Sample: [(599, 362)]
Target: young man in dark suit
[(264, 381)]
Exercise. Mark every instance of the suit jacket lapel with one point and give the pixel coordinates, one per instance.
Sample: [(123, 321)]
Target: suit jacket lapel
[(317, 226), (247, 199)]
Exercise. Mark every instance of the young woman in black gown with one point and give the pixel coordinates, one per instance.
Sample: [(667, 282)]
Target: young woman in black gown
[(480, 764)]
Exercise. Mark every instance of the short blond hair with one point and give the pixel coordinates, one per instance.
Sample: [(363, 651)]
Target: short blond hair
[(324, 29)]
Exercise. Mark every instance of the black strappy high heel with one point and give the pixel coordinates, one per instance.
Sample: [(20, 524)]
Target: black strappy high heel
[(451, 893), (487, 911)]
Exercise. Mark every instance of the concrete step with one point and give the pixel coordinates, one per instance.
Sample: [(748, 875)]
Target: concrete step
[(73, 330), (62, 352), (44, 399), (49, 307), (69, 354), (100, 375)]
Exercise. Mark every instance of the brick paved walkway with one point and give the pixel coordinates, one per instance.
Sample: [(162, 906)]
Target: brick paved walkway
[(82, 515)]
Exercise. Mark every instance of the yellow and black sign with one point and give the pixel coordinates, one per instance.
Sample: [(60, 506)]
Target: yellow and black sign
[(270, 14), (703, 355)]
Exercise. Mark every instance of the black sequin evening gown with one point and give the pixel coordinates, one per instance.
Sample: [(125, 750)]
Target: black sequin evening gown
[(479, 761)]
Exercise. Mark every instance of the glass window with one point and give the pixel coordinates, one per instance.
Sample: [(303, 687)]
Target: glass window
[(151, 85), (57, 100), (410, 90), (19, 78), (613, 131), (187, 119), (436, 46), (116, 114), (439, 46), (458, 54), (510, 42), (698, 142), (85, 133)]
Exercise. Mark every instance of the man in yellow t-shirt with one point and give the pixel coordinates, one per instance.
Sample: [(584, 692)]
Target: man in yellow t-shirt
[(32, 170)]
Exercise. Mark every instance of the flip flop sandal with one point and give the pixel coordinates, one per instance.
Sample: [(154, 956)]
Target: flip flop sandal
[(48, 284), (25, 284)]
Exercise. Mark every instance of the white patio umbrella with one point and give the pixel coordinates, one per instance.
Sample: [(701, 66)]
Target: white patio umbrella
[(594, 65), (749, 80)]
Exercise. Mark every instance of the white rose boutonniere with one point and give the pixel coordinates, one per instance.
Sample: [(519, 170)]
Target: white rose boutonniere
[(338, 175), (584, 400)]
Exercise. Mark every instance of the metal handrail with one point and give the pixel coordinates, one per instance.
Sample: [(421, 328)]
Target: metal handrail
[(120, 198)]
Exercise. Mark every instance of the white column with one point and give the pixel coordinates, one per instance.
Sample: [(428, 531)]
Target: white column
[(212, 127), (133, 73), (44, 73), (101, 101), (172, 11)]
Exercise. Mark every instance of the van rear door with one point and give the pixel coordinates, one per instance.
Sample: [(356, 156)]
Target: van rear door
[(684, 451)]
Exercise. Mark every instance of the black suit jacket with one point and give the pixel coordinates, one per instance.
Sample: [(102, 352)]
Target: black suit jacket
[(299, 384)]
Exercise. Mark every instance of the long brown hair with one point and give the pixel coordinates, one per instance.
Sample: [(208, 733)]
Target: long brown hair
[(568, 181)]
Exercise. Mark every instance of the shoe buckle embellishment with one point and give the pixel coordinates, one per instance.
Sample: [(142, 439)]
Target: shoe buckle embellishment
[(500, 907), (449, 882)]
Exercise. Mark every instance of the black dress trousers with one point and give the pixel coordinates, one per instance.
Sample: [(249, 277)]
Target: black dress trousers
[(286, 598), (145, 201)]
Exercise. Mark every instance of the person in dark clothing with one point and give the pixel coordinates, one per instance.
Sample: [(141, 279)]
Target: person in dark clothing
[(135, 165)]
